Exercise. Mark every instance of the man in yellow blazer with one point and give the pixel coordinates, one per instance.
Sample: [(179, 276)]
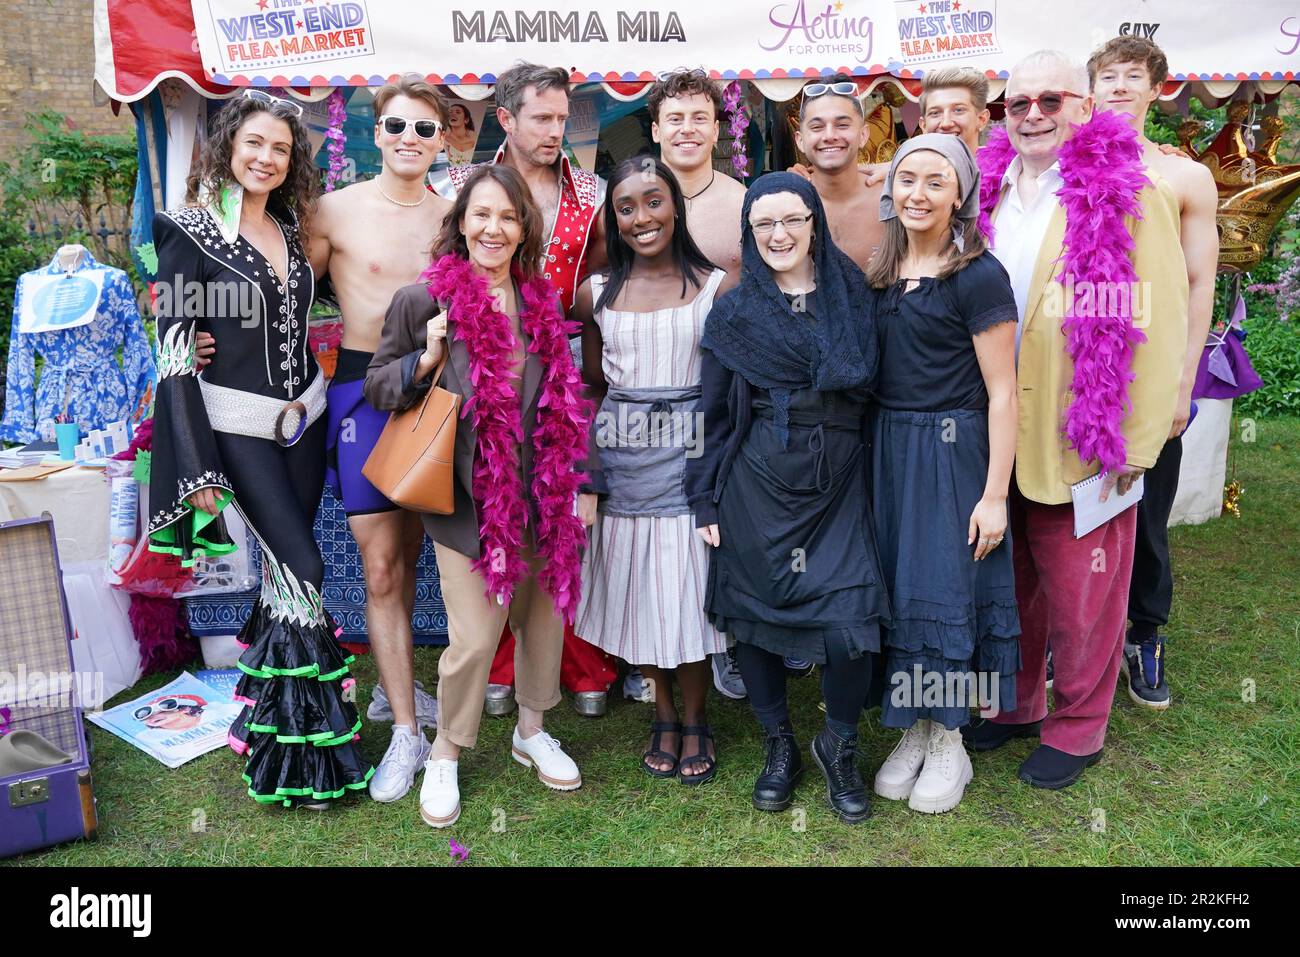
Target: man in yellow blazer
[(1074, 592)]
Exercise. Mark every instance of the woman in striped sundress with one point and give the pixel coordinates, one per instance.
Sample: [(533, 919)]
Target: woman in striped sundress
[(645, 571)]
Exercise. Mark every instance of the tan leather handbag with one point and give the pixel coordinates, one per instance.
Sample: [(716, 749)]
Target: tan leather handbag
[(413, 461)]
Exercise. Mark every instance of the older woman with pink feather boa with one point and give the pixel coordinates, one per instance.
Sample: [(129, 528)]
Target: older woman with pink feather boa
[(511, 551)]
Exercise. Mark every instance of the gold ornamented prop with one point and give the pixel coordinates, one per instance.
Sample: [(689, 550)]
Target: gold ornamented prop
[(1254, 191), (1232, 493)]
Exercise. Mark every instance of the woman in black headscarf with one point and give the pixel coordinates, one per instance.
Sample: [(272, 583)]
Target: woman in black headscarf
[(780, 488)]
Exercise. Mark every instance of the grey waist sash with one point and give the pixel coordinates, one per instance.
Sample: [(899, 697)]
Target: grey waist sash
[(645, 437)]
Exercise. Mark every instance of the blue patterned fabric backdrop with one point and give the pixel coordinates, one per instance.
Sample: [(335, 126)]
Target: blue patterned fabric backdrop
[(344, 592)]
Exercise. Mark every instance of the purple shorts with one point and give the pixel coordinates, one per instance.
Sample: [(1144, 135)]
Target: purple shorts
[(354, 427)]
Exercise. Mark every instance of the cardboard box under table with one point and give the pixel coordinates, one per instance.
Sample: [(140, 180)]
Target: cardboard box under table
[(39, 688)]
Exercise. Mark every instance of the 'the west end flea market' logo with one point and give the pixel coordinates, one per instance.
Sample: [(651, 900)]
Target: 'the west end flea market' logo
[(946, 29), (809, 29), (285, 33), (552, 26)]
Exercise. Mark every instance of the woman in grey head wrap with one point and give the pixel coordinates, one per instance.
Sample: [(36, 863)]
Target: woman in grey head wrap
[(944, 440)]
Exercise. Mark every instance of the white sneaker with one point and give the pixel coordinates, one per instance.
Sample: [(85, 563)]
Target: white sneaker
[(945, 775), (726, 675), (636, 687), (426, 707), (402, 761), (898, 774), (555, 768), (440, 793)]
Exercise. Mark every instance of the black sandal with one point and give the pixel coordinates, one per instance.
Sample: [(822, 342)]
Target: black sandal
[(657, 753), (693, 780)]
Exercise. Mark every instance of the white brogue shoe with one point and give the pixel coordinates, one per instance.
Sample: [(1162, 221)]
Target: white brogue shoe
[(555, 768), (440, 793)]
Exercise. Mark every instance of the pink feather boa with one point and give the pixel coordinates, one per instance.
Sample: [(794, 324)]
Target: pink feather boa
[(559, 439), (1103, 174)]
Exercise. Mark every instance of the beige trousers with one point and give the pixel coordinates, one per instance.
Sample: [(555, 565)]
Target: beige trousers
[(474, 624)]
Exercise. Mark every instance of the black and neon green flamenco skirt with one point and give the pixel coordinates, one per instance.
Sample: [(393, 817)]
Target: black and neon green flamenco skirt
[(299, 727)]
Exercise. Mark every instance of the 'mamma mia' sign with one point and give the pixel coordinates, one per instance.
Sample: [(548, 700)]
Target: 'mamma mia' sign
[(552, 26)]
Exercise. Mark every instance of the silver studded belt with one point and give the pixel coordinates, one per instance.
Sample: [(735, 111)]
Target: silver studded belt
[(261, 416)]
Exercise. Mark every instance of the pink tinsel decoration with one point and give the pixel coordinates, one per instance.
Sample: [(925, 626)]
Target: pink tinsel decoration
[(559, 439), (160, 628), (157, 621), (1103, 174), (5, 716), (737, 125), (338, 113)]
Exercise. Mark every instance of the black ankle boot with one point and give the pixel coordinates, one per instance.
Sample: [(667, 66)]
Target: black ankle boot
[(844, 788), (774, 789)]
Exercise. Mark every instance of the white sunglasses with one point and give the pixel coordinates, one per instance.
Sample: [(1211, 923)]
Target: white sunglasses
[(261, 96), (395, 125)]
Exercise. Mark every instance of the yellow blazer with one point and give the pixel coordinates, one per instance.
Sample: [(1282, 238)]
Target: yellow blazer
[(1046, 465)]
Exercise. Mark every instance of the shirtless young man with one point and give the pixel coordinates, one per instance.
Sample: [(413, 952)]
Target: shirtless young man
[(954, 99), (373, 238), (1126, 75), (832, 128), (685, 111)]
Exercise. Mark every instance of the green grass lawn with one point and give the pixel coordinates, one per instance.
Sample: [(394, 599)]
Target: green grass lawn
[(1214, 780)]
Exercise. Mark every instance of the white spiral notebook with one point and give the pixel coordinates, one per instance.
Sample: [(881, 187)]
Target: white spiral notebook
[(1090, 512)]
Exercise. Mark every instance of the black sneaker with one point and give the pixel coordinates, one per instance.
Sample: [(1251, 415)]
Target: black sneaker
[(1054, 769), (797, 667), (1146, 673)]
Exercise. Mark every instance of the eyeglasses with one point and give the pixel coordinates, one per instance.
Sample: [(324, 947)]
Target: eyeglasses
[(261, 96), (791, 223), (396, 126), (1049, 103)]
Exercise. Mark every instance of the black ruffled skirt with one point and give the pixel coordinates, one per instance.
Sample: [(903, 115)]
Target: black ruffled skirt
[(954, 638), (797, 571)]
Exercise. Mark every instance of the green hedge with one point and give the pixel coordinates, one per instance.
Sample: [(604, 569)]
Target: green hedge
[(1274, 349)]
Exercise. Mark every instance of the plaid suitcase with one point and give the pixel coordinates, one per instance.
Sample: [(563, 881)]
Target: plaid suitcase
[(39, 689)]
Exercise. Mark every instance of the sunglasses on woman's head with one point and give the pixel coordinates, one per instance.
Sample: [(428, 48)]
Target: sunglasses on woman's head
[(396, 126), (1049, 103), (274, 102)]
